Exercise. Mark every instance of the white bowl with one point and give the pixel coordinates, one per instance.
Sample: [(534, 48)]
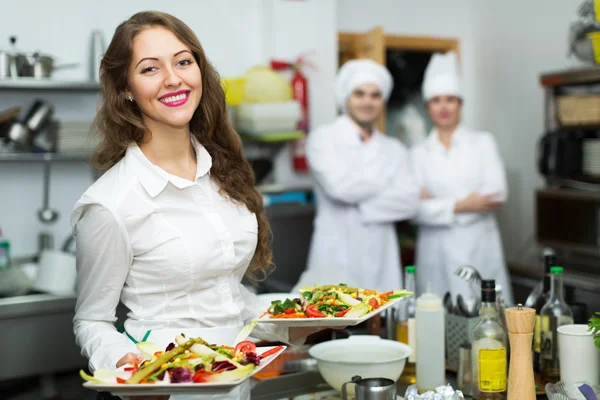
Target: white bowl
[(364, 355)]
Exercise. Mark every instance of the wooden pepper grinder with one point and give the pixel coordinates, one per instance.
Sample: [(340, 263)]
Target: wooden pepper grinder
[(520, 322)]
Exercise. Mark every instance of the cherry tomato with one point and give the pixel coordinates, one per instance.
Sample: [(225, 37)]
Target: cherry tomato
[(313, 312), (373, 302), (290, 311), (120, 380), (245, 347)]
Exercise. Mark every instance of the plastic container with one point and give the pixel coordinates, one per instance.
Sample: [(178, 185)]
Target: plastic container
[(431, 342)]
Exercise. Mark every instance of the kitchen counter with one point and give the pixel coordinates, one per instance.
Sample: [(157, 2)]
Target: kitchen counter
[(35, 304), (300, 384), (38, 327)]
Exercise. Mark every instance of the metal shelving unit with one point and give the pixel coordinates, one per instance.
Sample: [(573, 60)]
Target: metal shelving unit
[(48, 84)]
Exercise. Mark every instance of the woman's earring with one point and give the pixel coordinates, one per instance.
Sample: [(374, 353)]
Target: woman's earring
[(130, 97)]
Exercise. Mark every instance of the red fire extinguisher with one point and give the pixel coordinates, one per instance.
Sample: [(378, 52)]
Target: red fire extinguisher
[(300, 93)]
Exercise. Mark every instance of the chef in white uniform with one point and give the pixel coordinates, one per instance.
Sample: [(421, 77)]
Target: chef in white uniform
[(175, 223), (463, 184), (363, 186)]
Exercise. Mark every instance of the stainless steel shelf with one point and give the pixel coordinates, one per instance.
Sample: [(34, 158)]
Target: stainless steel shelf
[(47, 84), (36, 157)]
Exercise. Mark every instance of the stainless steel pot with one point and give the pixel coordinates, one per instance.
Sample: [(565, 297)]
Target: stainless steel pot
[(36, 65)]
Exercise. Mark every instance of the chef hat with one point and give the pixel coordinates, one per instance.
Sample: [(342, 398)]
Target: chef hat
[(358, 72), (442, 76)]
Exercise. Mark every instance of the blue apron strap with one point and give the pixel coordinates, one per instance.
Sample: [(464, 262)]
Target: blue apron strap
[(135, 341)]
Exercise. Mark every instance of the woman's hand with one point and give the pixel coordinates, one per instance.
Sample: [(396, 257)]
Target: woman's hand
[(478, 203), (131, 358)]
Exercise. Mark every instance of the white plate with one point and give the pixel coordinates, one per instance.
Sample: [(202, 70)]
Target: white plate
[(145, 389), (326, 322)]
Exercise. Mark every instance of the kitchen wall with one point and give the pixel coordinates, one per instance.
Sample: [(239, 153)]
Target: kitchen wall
[(439, 18), (236, 34), (504, 47), (510, 56)]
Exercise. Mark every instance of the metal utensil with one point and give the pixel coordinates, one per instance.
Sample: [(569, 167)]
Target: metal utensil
[(469, 274), (473, 278), (20, 135), (38, 115), (461, 306), (467, 309), (46, 214), (448, 303)]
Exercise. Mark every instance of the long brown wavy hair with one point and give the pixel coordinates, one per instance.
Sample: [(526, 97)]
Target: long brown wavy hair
[(119, 122)]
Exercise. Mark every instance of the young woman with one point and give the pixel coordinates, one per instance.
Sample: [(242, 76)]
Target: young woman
[(175, 223), (463, 183)]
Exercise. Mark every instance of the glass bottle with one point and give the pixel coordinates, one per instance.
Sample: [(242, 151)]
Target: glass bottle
[(405, 327), (541, 300), (488, 351), (555, 313)]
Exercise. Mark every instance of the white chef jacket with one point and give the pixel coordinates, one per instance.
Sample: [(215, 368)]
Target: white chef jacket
[(447, 240), (172, 250), (362, 189)]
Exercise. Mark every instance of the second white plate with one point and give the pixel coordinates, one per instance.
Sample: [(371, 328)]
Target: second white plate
[(326, 322)]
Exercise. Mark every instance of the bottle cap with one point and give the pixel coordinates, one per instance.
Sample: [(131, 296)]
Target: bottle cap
[(428, 300), (488, 291), (410, 269), (556, 270), (488, 284)]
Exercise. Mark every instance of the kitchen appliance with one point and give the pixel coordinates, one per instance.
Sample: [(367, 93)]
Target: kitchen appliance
[(568, 157), (568, 219)]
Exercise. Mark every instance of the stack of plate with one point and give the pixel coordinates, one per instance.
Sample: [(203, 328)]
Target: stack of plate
[(76, 137), (591, 157)]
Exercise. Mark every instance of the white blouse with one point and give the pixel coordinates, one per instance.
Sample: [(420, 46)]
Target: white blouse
[(172, 250)]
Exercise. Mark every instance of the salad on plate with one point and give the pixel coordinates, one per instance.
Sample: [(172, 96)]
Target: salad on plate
[(187, 361), (332, 301)]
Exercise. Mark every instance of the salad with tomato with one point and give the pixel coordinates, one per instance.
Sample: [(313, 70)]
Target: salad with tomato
[(332, 301), (186, 361)]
